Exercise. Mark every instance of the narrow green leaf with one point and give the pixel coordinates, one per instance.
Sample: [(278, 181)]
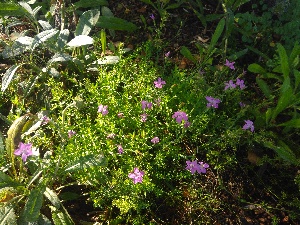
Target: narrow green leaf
[(86, 162), (8, 76), (283, 151), (264, 87), (297, 79), (33, 205), (90, 4), (86, 22), (216, 35), (284, 61), (239, 54), (295, 123), (284, 102), (11, 9), (294, 56), (115, 23), (187, 54), (255, 68)]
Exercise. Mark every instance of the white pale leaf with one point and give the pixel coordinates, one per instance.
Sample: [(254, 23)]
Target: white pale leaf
[(27, 7), (8, 76), (27, 41), (60, 57), (45, 25), (109, 60), (42, 37), (87, 21), (80, 40)]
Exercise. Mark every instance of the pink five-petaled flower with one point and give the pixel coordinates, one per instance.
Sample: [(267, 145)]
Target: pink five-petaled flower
[(193, 166), (144, 117), (212, 102), (167, 54), (159, 83), (180, 115), (248, 125), (24, 150), (230, 85), (71, 133), (103, 109), (229, 64), (120, 149), (136, 175), (155, 140), (240, 83), (146, 104)]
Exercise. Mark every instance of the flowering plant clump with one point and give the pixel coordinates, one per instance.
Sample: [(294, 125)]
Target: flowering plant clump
[(212, 102), (24, 151), (136, 175)]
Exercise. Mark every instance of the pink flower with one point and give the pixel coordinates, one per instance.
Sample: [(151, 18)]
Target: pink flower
[(111, 136), (120, 149), (193, 166), (136, 175), (240, 83), (212, 102), (103, 109), (187, 124), (24, 150), (230, 64), (146, 104), (230, 85), (71, 133), (248, 125), (45, 120), (144, 117), (159, 83), (167, 54), (155, 140), (180, 116), (157, 101), (152, 16)]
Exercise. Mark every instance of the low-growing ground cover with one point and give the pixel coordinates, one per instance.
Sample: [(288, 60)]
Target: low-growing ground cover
[(200, 130)]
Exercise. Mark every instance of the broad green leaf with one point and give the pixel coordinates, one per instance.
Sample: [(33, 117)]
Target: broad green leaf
[(105, 11), (52, 197), (7, 181), (187, 54), (42, 37), (80, 40), (33, 205), (216, 35), (269, 113), (264, 87), (284, 61), (11, 9), (86, 162), (60, 217), (255, 68), (7, 215), (86, 22), (115, 23), (295, 123), (8, 76), (239, 3), (90, 3)]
